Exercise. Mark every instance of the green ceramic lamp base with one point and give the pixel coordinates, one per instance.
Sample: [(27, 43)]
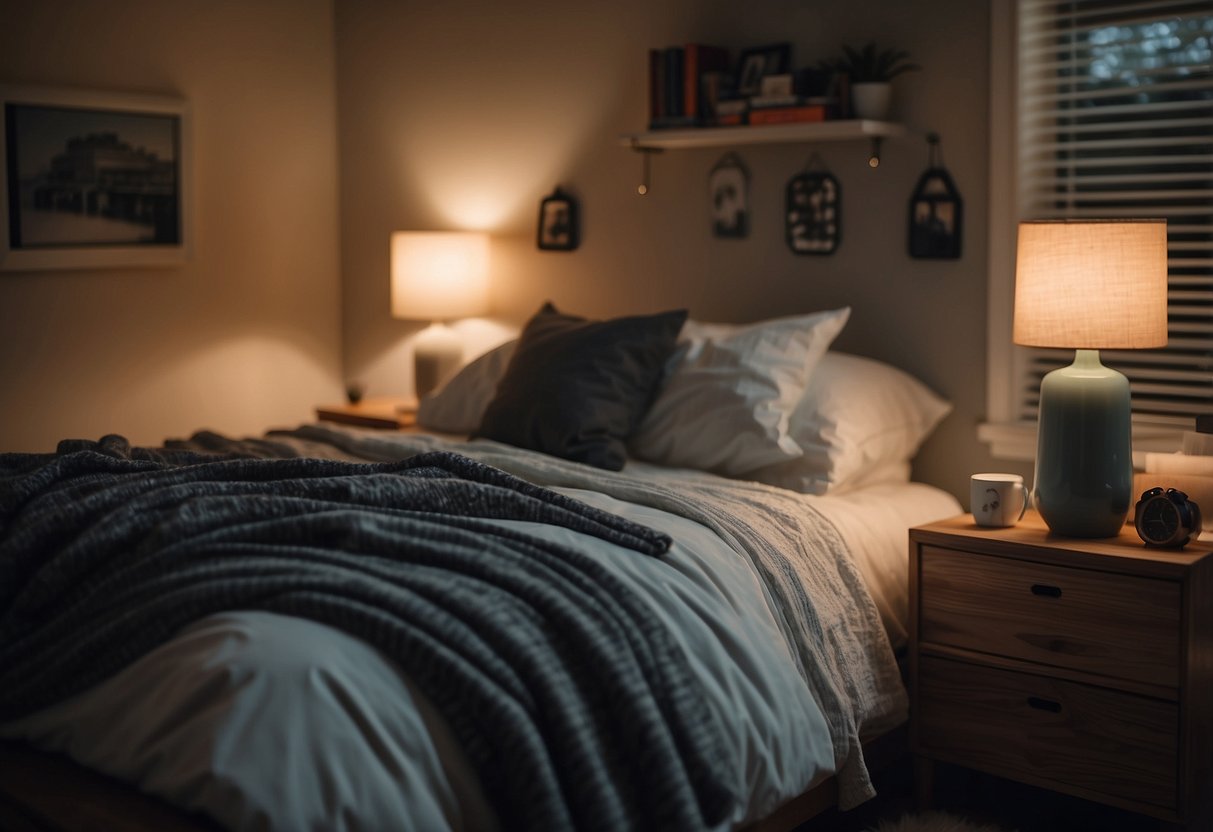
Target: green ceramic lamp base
[(1084, 450)]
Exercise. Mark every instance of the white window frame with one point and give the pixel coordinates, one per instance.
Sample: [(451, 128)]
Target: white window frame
[(1008, 437)]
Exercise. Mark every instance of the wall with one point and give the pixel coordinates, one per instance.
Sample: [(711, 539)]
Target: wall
[(465, 114), (244, 336)]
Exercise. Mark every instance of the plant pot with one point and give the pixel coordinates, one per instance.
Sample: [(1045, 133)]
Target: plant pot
[(871, 100)]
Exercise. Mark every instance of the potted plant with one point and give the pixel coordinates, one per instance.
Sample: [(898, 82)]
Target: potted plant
[(870, 72)]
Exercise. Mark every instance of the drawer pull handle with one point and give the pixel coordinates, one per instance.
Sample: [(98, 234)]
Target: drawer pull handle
[(1044, 704), (1046, 590)]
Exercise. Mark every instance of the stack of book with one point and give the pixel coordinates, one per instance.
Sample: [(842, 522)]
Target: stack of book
[(684, 84)]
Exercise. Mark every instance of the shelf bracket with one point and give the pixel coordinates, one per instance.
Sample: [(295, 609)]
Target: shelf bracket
[(874, 156), (645, 173)]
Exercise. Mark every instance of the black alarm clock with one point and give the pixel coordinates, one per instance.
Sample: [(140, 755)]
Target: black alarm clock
[(1166, 519)]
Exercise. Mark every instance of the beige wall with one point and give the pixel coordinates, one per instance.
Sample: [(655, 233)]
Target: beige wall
[(465, 114), (246, 335)]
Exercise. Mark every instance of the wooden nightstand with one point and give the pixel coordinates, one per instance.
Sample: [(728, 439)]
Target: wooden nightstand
[(1082, 666), (385, 412)]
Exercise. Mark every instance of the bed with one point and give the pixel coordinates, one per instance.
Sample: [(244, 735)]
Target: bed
[(710, 645)]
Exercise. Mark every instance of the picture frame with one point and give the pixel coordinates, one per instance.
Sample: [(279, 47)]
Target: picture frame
[(756, 63), (813, 215), (936, 217), (559, 224), (729, 192), (92, 179)]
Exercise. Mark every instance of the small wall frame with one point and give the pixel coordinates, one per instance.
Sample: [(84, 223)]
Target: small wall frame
[(936, 212), (559, 224), (729, 191), (813, 213)]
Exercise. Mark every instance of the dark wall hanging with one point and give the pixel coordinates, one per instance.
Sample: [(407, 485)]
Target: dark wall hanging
[(936, 210), (729, 190), (813, 216), (558, 223)]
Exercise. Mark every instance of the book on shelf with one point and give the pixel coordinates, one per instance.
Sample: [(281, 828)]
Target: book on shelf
[(731, 120), (684, 84), (732, 107), (668, 122), (699, 60), (788, 115), (759, 102)]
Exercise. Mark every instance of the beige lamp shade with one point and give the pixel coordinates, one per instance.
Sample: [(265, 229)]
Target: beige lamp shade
[(1091, 284), (439, 275)]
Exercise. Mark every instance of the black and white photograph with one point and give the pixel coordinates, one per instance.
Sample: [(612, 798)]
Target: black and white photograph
[(92, 181), (814, 213), (756, 63), (935, 217), (558, 227), (728, 189)]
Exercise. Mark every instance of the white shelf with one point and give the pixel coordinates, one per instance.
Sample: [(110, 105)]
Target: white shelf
[(817, 131)]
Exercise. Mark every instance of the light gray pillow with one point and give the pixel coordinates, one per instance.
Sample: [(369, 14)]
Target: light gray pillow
[(860, 422), (730, 391), (458, 405)]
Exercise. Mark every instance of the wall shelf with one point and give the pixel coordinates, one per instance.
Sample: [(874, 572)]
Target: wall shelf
[(818, 131)]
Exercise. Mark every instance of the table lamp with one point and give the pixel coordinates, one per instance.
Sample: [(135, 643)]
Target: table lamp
[(1088, 285), (438, 276)]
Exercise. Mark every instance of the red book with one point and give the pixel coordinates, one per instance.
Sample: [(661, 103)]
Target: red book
[(788, 115), (698, 59)]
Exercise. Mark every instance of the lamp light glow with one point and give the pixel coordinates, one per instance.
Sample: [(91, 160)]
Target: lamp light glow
[(438, 276), (1088, 285)]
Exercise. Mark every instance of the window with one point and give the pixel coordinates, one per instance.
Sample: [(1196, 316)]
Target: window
[(1113, 106)]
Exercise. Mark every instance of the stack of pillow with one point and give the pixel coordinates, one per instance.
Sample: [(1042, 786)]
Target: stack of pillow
[(764, 401)]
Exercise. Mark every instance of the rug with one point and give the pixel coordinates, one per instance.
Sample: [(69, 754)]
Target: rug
[(934, 822)]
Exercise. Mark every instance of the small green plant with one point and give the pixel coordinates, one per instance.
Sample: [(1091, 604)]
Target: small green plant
[(867, 65)]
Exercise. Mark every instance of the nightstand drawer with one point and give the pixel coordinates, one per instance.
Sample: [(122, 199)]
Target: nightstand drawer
[(1040, 730), (1121, 626)]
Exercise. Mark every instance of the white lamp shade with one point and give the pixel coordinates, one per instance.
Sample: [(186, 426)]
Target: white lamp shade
[(1091, 284), (439, 275)]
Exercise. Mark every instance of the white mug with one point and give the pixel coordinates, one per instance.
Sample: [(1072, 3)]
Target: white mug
[(997, 499)]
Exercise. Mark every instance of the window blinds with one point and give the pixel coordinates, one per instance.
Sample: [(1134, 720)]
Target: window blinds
[(1116, 120)]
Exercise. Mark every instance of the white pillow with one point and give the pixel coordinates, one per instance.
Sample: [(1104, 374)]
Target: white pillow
[(729, 393), (861, 421), (458, 405)]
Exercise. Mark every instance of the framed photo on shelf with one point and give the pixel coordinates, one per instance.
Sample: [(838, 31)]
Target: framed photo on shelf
[(558, 222), (755, 64), (93, 179)]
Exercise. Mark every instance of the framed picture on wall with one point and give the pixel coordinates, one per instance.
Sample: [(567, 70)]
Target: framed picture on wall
[(813, 213), (729, 191), (93, 179), (558, 222)]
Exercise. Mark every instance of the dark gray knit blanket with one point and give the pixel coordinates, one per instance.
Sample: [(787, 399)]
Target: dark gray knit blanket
[(573, 701)]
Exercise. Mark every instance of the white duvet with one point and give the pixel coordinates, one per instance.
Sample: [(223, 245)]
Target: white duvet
[(268, 722)]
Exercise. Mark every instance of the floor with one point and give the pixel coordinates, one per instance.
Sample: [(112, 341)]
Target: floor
[(1009, 806)]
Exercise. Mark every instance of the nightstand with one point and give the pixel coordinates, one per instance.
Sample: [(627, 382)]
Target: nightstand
[(385, 412), (1081, 666)]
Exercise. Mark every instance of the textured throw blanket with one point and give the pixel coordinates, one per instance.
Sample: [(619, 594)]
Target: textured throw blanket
[(814, 588), (568, 695)]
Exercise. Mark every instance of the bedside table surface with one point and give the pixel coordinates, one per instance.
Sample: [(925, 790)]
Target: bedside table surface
[(1033, 537), (389, 412)]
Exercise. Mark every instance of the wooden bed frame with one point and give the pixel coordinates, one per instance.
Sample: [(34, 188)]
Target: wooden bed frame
[(43, 792)]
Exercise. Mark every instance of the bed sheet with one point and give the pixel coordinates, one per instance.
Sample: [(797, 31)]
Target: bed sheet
[(268, 722)]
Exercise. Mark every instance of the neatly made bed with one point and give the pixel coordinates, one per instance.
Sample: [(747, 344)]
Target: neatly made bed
[(334, 628)]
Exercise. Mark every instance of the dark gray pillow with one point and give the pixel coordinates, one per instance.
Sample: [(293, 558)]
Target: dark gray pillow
[(577, 388)]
